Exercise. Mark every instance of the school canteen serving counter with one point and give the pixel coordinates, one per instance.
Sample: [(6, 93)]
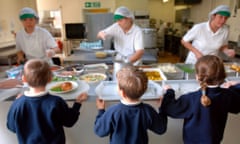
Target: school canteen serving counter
[(82, 131)]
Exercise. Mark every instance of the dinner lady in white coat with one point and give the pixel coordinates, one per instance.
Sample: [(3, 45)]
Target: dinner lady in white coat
[(127, 36), (209, 37), (33, 41)]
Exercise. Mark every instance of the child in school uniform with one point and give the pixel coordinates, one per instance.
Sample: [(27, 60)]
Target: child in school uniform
[(37, 116), (204, 111), (128, 121)]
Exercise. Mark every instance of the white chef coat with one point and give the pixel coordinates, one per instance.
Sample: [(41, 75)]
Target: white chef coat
[(206, 41), (34, 45), (128, 43)]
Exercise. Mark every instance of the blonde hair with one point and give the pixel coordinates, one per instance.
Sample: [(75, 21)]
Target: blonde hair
[(210, 71), (132, 81), (37, 72)]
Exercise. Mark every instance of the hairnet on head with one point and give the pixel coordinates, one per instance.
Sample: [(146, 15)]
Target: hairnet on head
[(27, 13), (221, 10), (122, 12)]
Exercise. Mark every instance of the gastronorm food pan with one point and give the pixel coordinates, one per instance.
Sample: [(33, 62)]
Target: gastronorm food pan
[(154, 74), (188, 69), (171, 71), (229, 69)]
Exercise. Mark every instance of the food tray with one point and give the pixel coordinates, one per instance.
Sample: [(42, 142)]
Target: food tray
[(182, 86), (157, 70), (15, 72), (230, 72), (232, 79), (91, 46), (188, 70), (107, 90), (171, 71)]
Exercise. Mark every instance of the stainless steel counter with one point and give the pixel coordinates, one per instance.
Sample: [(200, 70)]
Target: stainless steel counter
[(88, 57)]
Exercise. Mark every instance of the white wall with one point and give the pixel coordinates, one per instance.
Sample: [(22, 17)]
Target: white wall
[(9, 19), (162, 11), (72, 10), (133, 4)]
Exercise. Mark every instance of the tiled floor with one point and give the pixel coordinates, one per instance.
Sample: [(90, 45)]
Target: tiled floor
[(168, 58)]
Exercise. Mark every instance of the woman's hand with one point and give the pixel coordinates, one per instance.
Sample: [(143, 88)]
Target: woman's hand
[(20, 57), (101, 35), (229, 52), (188, 45), (50, 53)]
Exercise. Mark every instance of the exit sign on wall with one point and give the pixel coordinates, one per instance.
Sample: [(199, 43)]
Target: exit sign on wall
[(92, 4)]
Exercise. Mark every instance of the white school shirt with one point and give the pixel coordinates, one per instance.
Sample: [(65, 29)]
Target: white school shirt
[(34, 45), (206, 41), (128, 43)]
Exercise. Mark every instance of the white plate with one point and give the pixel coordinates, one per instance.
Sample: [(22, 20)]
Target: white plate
[(107, 90), (71, 95), (74, 86)]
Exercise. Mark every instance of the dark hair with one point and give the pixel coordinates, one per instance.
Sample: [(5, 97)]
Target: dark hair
[(132, 81), (37, 72), (210, 71)]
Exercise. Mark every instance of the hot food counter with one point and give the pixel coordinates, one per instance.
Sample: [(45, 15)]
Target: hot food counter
[(82, 131)]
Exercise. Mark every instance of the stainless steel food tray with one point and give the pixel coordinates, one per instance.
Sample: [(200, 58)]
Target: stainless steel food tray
[(188, 69), (230, 72), (171, 71), (182, 86), (162, 75), (107, 90)]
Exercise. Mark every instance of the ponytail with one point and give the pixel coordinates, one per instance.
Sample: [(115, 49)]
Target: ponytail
[(205, 100)]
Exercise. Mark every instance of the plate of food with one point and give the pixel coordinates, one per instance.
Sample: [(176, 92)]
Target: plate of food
[(93, 78), (62, 87)]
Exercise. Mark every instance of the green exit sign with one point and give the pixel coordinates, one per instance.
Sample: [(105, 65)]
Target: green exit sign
[(92, 4)]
